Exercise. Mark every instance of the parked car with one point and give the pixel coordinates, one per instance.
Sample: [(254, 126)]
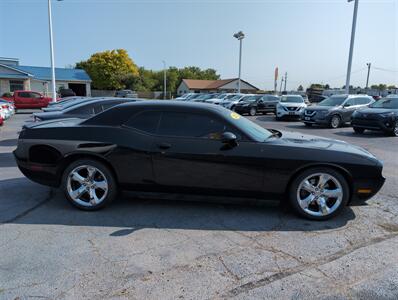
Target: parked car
[(220, 98), (257, 104), (67, 102), (381, 115), (83, 110), (290, 106), (185, 97), (203, 97), (66, 93), (196, 148), (1, 121), (335, 110), (126, 94), (28, 100), (231, 102), (7, 108)]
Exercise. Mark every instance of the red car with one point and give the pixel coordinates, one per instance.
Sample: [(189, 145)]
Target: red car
[(1, 121), (28, 99)]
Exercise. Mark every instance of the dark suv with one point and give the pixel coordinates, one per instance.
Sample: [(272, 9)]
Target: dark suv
[(257, 104), (335, 110)]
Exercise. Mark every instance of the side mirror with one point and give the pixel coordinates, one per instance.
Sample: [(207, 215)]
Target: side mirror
[(229, 138)]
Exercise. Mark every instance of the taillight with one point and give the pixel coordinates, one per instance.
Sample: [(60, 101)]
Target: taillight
[(4, 106)]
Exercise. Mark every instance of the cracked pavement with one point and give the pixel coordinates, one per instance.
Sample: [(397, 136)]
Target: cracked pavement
[(147, 246)]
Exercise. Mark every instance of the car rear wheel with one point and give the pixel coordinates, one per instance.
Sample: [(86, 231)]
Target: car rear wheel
[(359, 130), (335, 122), (89, 184), (319, 193), (253, 111), (307, 124)]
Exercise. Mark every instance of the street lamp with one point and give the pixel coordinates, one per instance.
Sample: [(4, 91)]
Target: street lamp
[(50, 25), (240, 36), (354, 25), (164, 80)]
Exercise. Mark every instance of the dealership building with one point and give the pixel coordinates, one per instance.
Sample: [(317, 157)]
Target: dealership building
[(215, 86), (15, 77)]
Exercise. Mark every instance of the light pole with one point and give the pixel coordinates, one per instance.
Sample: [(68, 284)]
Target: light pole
[(240, 36), (164, 80), (367, 78), (50, 26), (354, 25)]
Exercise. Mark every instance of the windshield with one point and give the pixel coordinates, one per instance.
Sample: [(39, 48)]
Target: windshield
[(236, 97), (256, 132), (229, 97), (391, 103), (332, 101), (250, 98), (292, 99)]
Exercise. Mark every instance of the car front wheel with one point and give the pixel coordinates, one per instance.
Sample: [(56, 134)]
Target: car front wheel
[(319, 193), (335, 122), (89, 184), (253, 111), (395, 129)]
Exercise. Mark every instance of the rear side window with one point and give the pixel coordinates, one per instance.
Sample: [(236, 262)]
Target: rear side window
[(361, 101), (191, 125), (145, 121)]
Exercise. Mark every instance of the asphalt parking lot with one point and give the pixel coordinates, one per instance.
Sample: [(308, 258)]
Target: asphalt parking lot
[(148, 247)]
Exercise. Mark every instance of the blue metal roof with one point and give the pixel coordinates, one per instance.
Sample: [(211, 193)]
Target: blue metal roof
[(44, 73), (14, 76)]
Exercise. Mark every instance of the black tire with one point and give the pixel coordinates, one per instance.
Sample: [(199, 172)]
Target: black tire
[(394, 131), (294, 186), (112, 189), (335, 121), (359, 130), (308, 124), (252, 111), (233, 107)]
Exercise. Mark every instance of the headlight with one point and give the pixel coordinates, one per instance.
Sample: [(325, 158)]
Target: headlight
[(281, 107)]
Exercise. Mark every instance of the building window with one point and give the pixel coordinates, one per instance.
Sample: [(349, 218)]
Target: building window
[(16, 85)]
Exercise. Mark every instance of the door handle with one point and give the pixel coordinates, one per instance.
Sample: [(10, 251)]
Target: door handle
[(164, 146)]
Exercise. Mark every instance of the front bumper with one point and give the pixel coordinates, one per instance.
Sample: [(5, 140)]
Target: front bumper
[(316, 119), (386, 125), (281, 113), (365, 189)]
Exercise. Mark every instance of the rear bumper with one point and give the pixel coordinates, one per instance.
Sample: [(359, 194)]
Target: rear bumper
[(40, 173), (379, 125)]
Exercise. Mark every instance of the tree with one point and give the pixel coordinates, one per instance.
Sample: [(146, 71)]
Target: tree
[(109, 70), (392, 87), (300, 88), (327, 87)]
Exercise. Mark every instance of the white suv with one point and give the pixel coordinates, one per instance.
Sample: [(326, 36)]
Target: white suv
[(291, 106)]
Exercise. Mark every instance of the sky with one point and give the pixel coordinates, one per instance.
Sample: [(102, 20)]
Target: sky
[(308, 39)]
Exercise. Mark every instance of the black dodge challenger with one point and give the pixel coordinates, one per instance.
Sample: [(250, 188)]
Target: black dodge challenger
[(181, 147)]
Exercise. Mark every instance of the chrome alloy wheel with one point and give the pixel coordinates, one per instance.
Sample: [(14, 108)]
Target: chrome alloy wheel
[(87, 186), (320, 194), (335, 123), (396, 129)]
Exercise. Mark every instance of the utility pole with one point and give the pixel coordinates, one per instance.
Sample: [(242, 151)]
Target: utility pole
[(285, 80), (50, 26), (354, 25), (367, 79), (280, 92)]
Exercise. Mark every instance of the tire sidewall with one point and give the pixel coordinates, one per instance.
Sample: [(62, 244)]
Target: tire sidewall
[(252, 110), (296, 182), (112, 190), (331, 121)]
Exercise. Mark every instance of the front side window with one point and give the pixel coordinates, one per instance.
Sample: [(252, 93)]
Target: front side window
[(145, 121), (191, 125), (24, 95), (35, 95)]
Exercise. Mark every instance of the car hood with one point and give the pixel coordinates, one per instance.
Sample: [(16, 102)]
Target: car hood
[(377, 110), (322, 108), (48, 115), (289, 104), (296, 139)]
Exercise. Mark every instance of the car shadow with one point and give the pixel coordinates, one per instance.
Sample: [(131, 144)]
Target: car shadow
[(8, 143), (136, 211)]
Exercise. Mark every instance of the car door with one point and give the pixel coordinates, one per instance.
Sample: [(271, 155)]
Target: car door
[(36, 100), (188, 155), (349, 107), (23, 100)]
